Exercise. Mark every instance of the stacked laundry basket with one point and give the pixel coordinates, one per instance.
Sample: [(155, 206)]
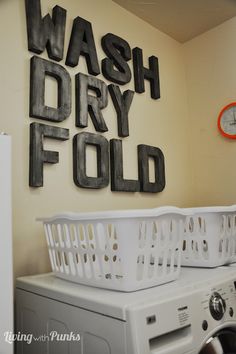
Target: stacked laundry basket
[(136, 249), (210, 237)]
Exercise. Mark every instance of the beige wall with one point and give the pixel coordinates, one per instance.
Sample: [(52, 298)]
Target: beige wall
[(162, 123), (211, 81)]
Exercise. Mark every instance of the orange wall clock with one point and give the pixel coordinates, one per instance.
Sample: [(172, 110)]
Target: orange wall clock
[(227, 121)]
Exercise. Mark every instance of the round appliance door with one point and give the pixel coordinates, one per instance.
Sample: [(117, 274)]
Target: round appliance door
[(223, 342)]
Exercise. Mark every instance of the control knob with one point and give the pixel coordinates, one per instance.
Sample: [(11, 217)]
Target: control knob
[(217, 306)]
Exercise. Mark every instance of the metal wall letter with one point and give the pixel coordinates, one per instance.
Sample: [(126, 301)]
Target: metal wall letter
[(45, 32), (141, 73), (118, 183), (88, 103), (122, 103), (80, 141), (118, 53), (82, 42), (144, 153), (38, 156), (38, 70)]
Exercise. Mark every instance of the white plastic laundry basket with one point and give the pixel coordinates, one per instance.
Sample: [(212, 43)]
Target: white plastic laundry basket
[(210, 237), (121, 250)]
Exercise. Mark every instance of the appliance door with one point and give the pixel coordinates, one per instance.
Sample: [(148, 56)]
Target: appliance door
[(223, 342)]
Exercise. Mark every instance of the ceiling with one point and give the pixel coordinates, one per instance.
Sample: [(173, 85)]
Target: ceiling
[(182, 19)]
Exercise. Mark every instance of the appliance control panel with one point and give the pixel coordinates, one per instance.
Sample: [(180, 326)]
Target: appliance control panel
[(219, 301)]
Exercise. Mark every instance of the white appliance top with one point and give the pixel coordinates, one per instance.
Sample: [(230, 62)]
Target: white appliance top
[(115, 303)]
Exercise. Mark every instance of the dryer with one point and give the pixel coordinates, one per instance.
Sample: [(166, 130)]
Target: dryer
[(194, 315)]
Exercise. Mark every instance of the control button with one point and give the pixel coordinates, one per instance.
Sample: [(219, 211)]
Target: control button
[(204, 325), (217, 306), (151, 319), (231, 312)]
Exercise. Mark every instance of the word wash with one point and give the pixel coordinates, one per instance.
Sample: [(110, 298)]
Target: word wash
[(91, 97)]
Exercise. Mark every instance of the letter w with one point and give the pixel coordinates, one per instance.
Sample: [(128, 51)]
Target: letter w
[(45, 32)]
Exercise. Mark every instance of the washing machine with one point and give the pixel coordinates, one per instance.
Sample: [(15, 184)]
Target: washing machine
[(194, 315)]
